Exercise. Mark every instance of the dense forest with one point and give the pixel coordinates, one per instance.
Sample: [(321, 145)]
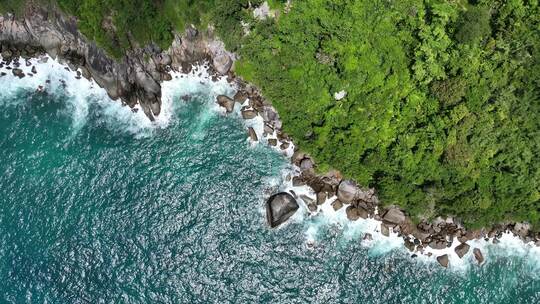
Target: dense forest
[(442, 106)]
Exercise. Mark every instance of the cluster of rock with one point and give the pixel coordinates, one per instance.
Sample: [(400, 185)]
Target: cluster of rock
[(13, 63), (135, 78), (254, 105), (421, 238)]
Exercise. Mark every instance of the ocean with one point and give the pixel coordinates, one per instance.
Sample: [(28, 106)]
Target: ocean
[(100, 205)]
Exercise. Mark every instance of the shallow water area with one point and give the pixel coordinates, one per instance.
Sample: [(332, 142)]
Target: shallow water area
[(100, 205)]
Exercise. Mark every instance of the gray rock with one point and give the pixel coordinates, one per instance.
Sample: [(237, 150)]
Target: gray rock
[(279, 208), (240, 97), (18, 72), (297, 181), (284, 146), (321, 198), (438, 244), (306, 164), (222, 63), (478, 256), (226, 102), (385, 230), (443, 260), (368, 237), (252, 134), (248, 114), (308, 200), (462, 249), (352, 213), (272, 142), (394, 215), (337, 204), (347, 191)]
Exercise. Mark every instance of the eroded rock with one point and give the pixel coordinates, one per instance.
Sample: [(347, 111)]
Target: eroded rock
[(226, 102)]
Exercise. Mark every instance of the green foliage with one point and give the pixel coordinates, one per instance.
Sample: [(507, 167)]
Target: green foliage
[(474, 25), (443, 99)]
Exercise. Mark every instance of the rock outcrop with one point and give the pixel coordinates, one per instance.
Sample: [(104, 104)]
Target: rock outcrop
[(279, 208), (135, 78)]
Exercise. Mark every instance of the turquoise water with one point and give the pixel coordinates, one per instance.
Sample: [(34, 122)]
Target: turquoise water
[(97, 206)]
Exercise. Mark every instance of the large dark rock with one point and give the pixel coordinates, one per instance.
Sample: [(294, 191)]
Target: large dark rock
[(462, 249), (394, 215), (347, 191), (279, 208), (443, 260), (226, 102)]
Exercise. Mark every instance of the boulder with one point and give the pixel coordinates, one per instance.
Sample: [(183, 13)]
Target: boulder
[(248, 114), (222, 63), (478, 256), (337, 204), (312, 207), (252, 134), (352, 213), (226, 102), (462, 249), (240, 97), (306, 164), (308, 200), (443, 260), (321, 198), (297, 181), (385, 230), (34, 70), (347, 191), (438, 244), (409, 245), (279, 208), (521, 229), (272, 142), (394, 215), (18, 72), (368, 237), (284, 146)]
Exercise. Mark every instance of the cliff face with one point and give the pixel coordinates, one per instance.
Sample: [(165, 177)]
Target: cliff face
[(135, 78)]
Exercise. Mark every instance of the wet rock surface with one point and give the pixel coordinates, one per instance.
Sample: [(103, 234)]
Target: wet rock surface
[(279, 208)]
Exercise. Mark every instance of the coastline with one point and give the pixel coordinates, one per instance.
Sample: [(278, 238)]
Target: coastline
[(436, 239)]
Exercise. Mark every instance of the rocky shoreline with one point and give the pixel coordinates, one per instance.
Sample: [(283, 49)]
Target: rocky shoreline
[(136, 80)]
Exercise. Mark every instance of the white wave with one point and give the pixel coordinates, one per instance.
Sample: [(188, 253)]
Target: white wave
[(325, 218), (54, 78)]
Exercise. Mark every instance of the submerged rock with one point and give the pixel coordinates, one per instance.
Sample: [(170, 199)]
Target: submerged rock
[(443, 260), (279, 208)]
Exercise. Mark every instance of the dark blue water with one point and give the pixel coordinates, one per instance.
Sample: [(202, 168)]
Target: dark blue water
[(98, 206)]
